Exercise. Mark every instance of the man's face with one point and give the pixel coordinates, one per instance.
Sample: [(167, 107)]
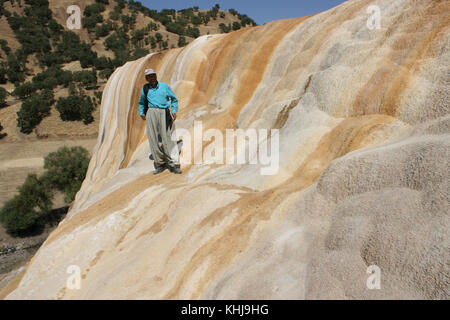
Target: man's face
[(152, 79)]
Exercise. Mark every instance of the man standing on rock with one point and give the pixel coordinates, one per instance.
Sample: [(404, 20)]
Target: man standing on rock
[(154, 107)]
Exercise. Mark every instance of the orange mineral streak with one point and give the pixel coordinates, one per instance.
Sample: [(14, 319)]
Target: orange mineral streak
[(383, 92), (256, 206), (272, 36), (405, 72)]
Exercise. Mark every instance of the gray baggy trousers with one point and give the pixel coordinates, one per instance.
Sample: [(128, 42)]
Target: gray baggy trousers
[(164, 150)]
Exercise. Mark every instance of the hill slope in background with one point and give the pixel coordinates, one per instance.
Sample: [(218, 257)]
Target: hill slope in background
[(115, 30), (364, 128)]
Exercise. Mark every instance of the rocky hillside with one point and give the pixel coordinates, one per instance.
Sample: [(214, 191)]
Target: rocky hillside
[(362, 180), (35, 36)]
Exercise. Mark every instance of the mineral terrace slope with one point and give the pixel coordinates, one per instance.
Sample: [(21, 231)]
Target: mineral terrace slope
[(363, 180)]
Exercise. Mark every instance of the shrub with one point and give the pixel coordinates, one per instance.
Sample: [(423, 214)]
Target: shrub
[(66, 47), (75, 108), (114, 15), (86, 56), (50, 58), (245, 20), (106, 73), (3, 72), (181, 41), (3, 96), (137, 37), (52, 77), (98, 95), (87, 78), (102, 63), (55, 28), (139, 53), (128, 20), (236, 25), (193, 32), (196, 20), (153, 42), (22, 212), (2, 135), (66, 170), (4, 45), (33, 110), (117, 41), (25, 91), (102, 30), (15, 71), (48, 96), (224, 28), (175, 27), (92, 15)]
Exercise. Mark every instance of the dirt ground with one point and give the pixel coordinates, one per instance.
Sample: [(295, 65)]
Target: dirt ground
[(17, 160)]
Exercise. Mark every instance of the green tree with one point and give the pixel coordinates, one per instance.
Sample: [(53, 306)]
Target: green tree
[(3, 96), (139, 53), (224, 28), (66, 47), (66, 170), (25, 91), (4, 45), (88, 79), (192, 32), (48, 96), (22, 212), (92, 15), (3, 72), (196, 20), (175, 27), (75, 108), (33, 110), (16, 70), (102, 30), (181, 41), (152, 42), (72, 89), (106, 73), (236, 25), (2, 135), (103, 63)]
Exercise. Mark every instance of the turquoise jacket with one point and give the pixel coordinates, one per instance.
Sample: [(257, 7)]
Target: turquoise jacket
[(159, 98)]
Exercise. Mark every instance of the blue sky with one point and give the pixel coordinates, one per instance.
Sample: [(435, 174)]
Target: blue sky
[(261, 11)]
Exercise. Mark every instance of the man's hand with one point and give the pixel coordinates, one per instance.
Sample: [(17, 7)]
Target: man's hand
[(174, 116), (143, 117)]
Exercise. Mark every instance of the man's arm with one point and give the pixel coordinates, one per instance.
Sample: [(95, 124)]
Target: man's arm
[(141, 102), (174, 99)]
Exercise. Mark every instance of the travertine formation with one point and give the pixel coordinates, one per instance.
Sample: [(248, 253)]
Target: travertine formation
[(364, 127)]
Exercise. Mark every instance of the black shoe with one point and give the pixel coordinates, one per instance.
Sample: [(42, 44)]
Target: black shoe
[(159, 169), (176, 169)]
